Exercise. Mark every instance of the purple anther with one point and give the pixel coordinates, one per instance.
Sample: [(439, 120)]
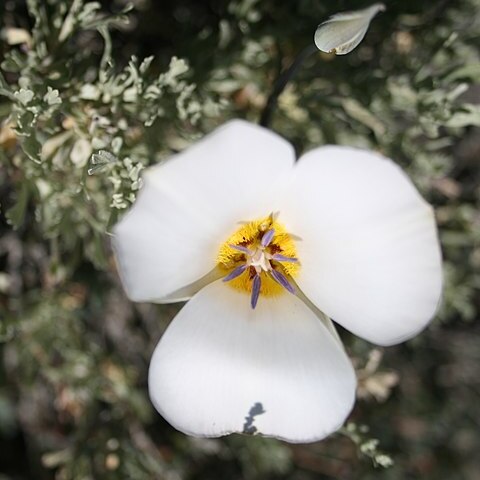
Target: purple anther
[(235, 273), (267, 237), (282, 258), (257, 282), (281, 279), (241, 248)]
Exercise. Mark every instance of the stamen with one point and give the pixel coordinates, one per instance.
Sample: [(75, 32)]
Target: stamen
[(282, 258), (282, 280), (267, 237), (260, 258), (241, 248), (235, 273), (257, 282)]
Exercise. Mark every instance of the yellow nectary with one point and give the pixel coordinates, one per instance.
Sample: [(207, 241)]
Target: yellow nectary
[(250, 236)]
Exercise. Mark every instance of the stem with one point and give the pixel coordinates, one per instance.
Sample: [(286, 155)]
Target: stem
[(282, 82)]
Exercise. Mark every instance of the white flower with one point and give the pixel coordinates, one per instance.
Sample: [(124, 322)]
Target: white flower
[(342, 32), (352, 238)]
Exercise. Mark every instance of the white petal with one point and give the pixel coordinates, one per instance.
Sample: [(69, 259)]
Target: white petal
[(222, 367), (370, 254), (342, 32), (191, 204)]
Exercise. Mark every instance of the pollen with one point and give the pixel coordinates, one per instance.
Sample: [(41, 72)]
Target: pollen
[(259, 258)]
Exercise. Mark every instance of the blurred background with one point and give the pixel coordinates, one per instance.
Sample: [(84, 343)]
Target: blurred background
[(90, 94)]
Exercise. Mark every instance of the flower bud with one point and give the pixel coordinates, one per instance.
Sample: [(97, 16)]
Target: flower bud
[(342, 32)]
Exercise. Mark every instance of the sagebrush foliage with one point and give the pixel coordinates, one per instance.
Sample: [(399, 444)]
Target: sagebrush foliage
[(81, 117)]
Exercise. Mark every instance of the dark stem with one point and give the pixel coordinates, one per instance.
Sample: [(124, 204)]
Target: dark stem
[(282, 82)]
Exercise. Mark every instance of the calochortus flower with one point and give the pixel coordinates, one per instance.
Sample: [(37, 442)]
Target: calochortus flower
[(268, 249), (342, 32)]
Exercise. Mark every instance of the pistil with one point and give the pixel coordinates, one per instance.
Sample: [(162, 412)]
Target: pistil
[(259, 257)]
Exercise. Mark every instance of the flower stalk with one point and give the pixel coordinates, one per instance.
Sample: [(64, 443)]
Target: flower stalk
[(282, 82)]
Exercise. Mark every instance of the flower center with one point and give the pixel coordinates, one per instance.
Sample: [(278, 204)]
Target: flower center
[(259, 258)]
